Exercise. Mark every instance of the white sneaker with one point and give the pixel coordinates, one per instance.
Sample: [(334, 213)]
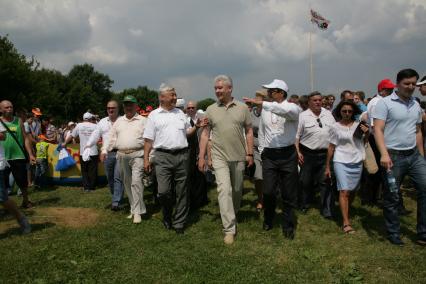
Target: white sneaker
[(130, 216), (137, 219), (228, 239)]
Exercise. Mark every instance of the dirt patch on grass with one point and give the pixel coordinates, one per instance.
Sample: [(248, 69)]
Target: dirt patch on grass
[(70, 217)]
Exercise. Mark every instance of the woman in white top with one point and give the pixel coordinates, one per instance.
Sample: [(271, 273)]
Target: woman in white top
[(347, 140)]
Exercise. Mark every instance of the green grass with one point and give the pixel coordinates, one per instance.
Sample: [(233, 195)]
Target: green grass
[(116, 251)]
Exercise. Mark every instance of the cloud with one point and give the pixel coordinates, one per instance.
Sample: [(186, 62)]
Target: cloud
[(187, 43)]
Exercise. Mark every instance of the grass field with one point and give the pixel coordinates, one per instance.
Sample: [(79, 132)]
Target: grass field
[(77, 240)]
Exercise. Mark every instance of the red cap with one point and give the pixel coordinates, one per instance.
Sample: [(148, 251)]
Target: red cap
[(385, 84)]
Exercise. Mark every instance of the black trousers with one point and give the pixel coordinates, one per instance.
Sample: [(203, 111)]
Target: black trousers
[(89, 172), (18, 168), (280, 176), (312, 180)]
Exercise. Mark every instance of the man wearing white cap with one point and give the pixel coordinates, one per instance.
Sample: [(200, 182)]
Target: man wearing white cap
[(277, 134), (89, 168), (109, 158), (229, 120), (422, 86)]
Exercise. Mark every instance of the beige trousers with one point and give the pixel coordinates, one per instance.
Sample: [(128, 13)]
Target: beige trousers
[(229, 179), (131, 169)]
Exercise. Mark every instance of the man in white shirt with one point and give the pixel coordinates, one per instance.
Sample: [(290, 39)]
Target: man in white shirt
[(422, 86), (166, 131), (370, 192), (197, 185), (277, 134), (89, 168), (311, 145), (126, 136), (109, 159)]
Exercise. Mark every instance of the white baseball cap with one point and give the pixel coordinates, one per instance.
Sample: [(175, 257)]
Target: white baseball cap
[(421, 82), (180, 103), (277, 84), (87, 116)]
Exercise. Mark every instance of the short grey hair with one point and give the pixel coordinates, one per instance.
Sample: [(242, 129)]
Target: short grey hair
[(224, 78), (164, 88)]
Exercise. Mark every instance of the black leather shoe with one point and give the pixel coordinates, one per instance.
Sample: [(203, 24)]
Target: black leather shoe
[(267, 227), (421, 241), (404, 212), (288, 234), (304, 210), (179, 231), (395, 240), (115, 208), (167, 225)]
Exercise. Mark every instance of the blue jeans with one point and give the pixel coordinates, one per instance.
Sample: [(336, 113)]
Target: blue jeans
[(42, 167), (112, 170), (413, 165)]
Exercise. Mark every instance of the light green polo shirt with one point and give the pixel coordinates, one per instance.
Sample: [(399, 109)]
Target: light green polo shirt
[(227, 124)]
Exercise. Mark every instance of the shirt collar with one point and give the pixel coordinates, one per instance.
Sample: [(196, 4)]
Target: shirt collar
[(135, 117), (231, 103), (161, 109), (311, 113), (395, 97)]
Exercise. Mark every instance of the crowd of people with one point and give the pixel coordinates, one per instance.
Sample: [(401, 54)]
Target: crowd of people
[(291, 147)]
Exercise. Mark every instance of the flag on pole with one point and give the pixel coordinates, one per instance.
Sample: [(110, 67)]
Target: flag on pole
[(319, 20)]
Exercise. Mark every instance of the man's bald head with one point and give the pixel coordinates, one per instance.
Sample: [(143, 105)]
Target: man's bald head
[(6, 108), (191, 108)]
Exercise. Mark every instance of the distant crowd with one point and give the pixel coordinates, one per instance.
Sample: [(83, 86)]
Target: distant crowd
[(291, 147)]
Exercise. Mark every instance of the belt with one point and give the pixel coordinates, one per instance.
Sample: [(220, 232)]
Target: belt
[(311, 151), (403, 152), (281, 149), (172, 151), (129, 151)]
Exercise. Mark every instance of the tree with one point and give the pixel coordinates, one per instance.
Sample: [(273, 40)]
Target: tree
[(87, 89), (15, 75), (143, 95), (203, 104)]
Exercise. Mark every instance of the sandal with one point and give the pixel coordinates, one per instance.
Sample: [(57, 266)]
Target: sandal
[(27, 205), (347, 229)]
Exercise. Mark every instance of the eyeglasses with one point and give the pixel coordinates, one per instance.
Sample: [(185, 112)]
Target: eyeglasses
[(346, 111), (270, 91), (190, 108), (319, 123)]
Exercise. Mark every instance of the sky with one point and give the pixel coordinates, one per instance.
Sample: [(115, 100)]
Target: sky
[(187, 43)]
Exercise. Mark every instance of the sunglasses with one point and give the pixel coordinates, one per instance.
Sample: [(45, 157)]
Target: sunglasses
[(108, 108), (270, 91), (190, 108), (319, 123), (346, 111)]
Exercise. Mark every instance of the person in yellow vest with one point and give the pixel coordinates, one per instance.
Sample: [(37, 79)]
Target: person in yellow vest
[(17, 148), (41, 160)]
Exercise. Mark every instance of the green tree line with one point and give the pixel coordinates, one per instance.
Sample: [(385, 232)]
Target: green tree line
[(64, 97)]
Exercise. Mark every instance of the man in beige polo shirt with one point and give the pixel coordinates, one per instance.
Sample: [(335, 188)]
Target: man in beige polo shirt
[(232, 146), (126, 137)]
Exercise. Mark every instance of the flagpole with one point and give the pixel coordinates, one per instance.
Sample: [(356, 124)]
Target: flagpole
[(311, 62)]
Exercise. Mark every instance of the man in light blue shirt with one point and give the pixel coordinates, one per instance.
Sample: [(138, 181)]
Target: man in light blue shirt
[(397, 120)]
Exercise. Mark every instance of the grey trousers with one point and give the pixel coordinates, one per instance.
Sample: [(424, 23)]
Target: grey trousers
[(131, 169), (171, 171)]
